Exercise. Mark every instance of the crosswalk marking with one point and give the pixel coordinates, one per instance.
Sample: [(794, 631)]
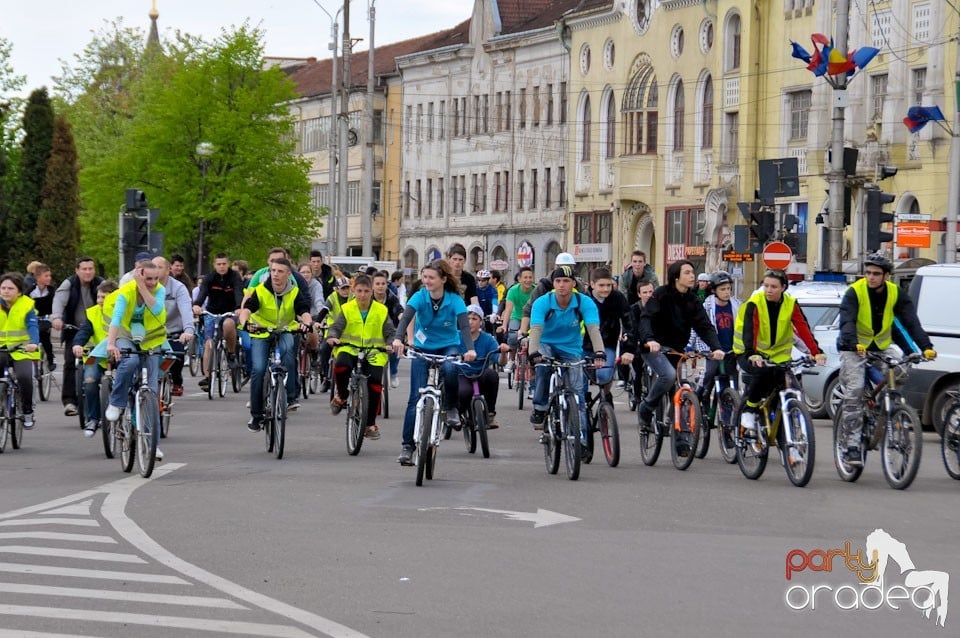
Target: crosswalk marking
[(29, 522), (178, 622), (58, 536), (112, 594), (110, 557), (46, 570)]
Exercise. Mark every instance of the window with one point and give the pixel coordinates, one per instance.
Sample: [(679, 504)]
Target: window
[(474, 193), (406, 199), (799, 114), (463, 194), (731, 129), (440, 195), (430, 121), (546, 188), (919, 84), (921, 22), (378, 127), (419, 198), (486, 113), (463, 116), (483, 192), (498, 110), (706, 137), (593, 228), (496, 191), (506, 190), (522, 107), (508, 121), (641, 114), (534, 186), (610, 145), (536, 106), (429, 197), (562, 184), (678, 117), (563, 102), (440, 119), (585, 130), (419, 122), (549, 104), (732, 45), (408, 123), (319, 195), (878, 93), (520, 191), (476, 114), (456, 117), (353, 198), (685, 238), (376, 199), (315, 134), (881, 24)]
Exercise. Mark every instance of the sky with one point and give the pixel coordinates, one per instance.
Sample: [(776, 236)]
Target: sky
[(43, 32)]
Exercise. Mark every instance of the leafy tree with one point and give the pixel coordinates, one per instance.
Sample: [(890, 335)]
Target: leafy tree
[(58, 234), (10, 83), (21, 220)]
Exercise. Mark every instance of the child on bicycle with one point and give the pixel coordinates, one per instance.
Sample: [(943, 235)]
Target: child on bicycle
[(92, 332), (484, 343), (362, 322)]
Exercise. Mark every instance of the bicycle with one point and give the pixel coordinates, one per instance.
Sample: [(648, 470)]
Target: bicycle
[(474, 422), (11, 407), (950, 443), (602, 418), (358, 400), (385, 392), (721, 403), (887, 420), (194, 350), (106, 385), (429, 424), (138, 430), (795, 441), (522, 373), (677, 416), (220, 372), (562, 424), (165, 392), (42, 373), (274, 392)]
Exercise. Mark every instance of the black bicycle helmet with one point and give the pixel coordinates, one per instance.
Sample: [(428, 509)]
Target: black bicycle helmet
[(880, 261), (720, 278)]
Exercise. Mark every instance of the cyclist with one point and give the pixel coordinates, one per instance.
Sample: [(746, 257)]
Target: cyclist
[(383, 294), (489, 381), (517, 297), (703, 286), (614, 313), (666, 320), (399, 286), (867, 313), (638, 270), (93, 331), (440, 327), (630, 348), (180, 326), (322, 272), (318, 309), (457, 257), (74, 295), (764, 329), (138, 313), (340, 295), (42, 294), (721, 308), (486, 294), (545, 285), (222, 291), (275, 303), (557, 322), (18, 327), (496, 280), (363, 321)]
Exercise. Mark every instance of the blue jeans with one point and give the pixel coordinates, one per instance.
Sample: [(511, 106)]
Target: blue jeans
[(573, 377), (259, 355), (394, 364), (245, 340), (126, 371), (92, 373), (665, 373), (418, 379)]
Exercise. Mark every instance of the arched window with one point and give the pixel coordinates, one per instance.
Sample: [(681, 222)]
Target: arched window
[(678, 116), (610, 141), (585, 129), (412, 261), (731, 43), (640, 112), (550, 255), (706, 110)]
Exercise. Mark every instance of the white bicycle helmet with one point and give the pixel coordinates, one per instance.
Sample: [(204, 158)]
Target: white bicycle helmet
[(565, 259)]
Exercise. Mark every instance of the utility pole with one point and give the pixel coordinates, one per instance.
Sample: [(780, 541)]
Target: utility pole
[(332, 143), (837, 176), (953, 188), (343, 125), (366, 208)]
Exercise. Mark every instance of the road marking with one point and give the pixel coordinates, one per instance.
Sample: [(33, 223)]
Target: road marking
[(24, 522), (58, 536), (201, 624), (74, 572), (540, 518), (77, 509), (20, 633), (113, 594), (110, 557)]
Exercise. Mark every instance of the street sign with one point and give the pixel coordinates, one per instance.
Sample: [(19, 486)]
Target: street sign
[(499, 264), (525, 254), (777, 255), (736, 256)]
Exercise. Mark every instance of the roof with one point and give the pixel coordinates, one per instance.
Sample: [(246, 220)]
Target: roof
[(314, 77), (517, 16)]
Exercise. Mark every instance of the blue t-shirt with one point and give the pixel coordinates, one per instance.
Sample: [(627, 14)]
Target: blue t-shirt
[(436, 329), (482, 345), (562, 330), (724, 320)]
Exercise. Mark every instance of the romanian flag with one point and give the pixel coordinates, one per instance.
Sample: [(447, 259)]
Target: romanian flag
[(919, 116)]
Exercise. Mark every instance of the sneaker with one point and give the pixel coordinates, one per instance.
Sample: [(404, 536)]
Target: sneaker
[(248, 405), (113, 413), (52, 367), (683, 444), (28, 421), (492, 421), (748, 424), (394, 381), (204, 384), (509, 367), (406, 456), (530, 394), (853, 457), (254, 424), (324, 386), (90, 428), (537, 417), (337, 404), (621, 383), (453, 419), (159, 455), (794, 456), (70, 409), (643, 421), (232, 361), (293, 406), (372, 432), (177, 391)]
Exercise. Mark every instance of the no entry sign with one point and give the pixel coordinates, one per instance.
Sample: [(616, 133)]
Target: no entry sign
[(777, 255)]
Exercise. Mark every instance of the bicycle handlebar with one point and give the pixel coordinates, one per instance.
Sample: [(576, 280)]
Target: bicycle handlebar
[(413, 353)]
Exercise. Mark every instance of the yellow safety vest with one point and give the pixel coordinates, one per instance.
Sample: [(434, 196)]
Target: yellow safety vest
[(154, 325), (865, 334), (333, 301), (269, 315), (13, 328), (778, 351), (363, 332)]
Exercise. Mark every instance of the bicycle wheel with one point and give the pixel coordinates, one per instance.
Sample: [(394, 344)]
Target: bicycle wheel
[(799, 456), (703, 442), (5, 420), (902, 446), (570, 431), (467, 424), (424, 425), (128, 443), (480, 419), (222, 371), (148, 431), (166, 404), (268, 423), (950, 443), (520, 369), (683, 442), (44, 378), (651, 435), (609, 433), (303, 367), (16, 423), (726, 435), (193, 354), (356, 416), (108, 429), (752, 452), (551, 438), (213, 373), (385, 393), (280, 419), (632, 399), (510, 378), (236, 375), (78, 388), (847, 472)]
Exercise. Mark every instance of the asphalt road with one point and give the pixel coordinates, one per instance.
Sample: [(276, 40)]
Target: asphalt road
[(228, 540)]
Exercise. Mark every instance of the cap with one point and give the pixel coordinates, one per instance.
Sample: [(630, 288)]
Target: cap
[(562, 271), (703, 277), (343, 282), (143, 256), (475, 309)]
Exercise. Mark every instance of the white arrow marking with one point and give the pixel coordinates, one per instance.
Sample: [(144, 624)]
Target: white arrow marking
[(540, 518)]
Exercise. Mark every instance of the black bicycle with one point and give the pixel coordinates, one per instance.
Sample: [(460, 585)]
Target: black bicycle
[(561, 430), (601, 419), (11, 407), (274, 391), (717, 409), (358, 401)]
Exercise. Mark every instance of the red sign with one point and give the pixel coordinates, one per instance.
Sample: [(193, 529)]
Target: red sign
[(777, 255)]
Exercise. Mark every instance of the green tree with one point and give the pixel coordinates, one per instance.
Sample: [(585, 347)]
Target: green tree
[(58, 234), (21, 221), (10, 83)]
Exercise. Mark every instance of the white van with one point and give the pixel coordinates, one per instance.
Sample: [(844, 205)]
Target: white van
[(936, 292)]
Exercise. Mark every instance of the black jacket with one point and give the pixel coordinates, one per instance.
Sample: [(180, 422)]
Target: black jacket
[(668, 317), (614, 316)]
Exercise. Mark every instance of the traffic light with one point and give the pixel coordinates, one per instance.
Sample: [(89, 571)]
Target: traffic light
[(876, 217), (136, 232), (136, 200), (760, 221)]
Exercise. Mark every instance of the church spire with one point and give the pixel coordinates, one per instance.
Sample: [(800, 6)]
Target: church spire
[(154, 38)]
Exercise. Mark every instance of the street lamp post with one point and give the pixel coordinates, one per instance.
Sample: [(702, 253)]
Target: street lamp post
[(204, 151)]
